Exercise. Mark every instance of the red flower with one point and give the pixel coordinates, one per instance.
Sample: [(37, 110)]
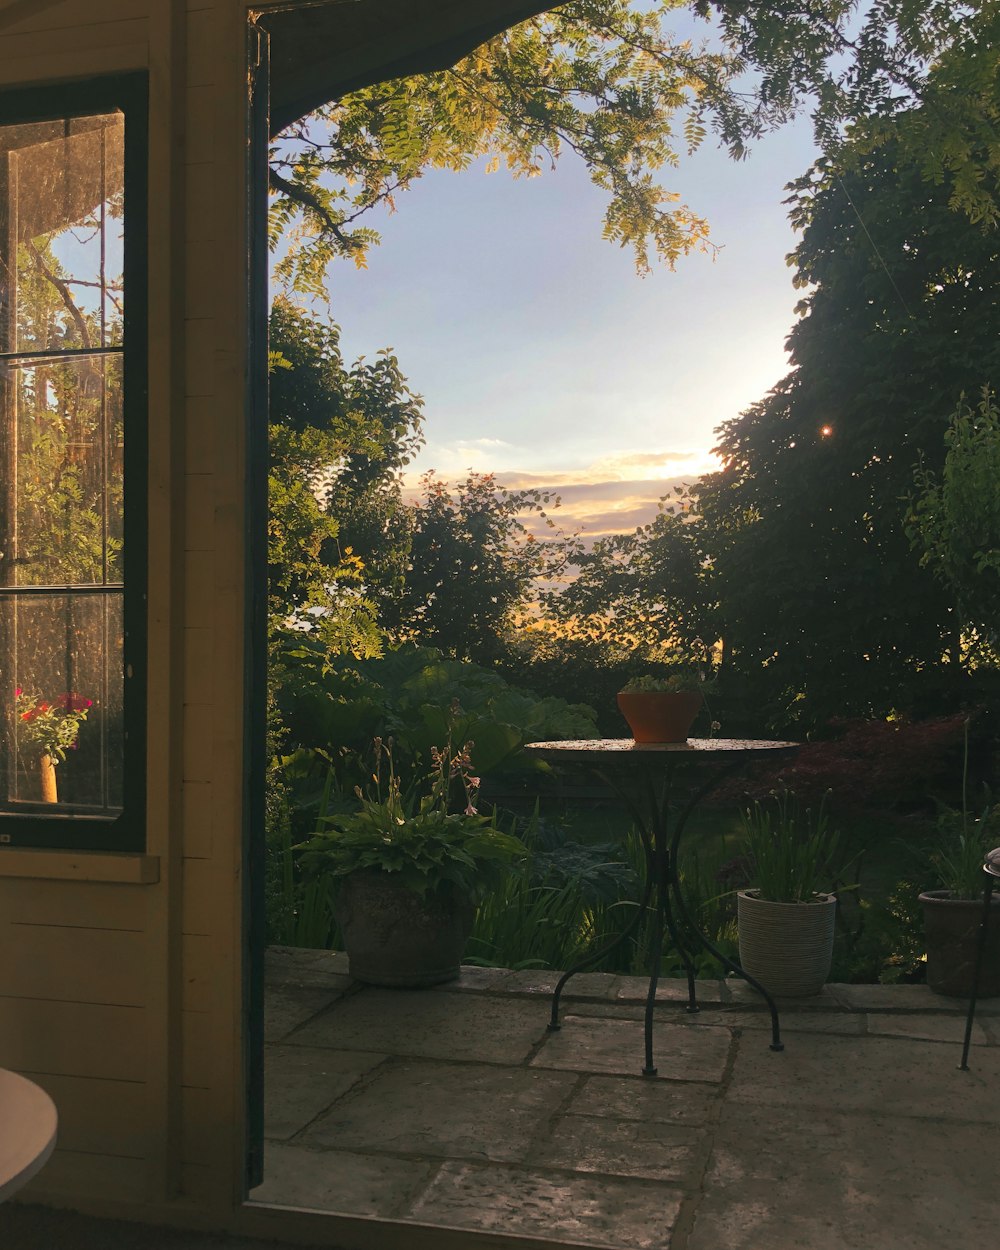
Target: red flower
[(37, 710), (71, 702)]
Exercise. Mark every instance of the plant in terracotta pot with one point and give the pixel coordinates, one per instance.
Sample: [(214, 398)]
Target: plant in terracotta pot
[(410, 872), (46, 731), (953, 912), (787, 914), (663, 709)]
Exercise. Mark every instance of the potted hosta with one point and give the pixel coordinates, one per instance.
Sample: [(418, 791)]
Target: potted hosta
[(953, 912), (663, 709), (45, 732), (410, 873), (786, 915)]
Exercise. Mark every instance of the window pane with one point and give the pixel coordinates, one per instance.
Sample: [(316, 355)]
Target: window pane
[(64, 232), (63, 662), (64, 489)]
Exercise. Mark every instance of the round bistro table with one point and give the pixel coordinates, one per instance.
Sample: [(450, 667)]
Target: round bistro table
[(28, 1124), (661, 784)]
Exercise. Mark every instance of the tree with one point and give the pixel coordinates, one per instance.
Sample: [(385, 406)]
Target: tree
[(473, 564), (338, 529), (608, 81), (826, 609), (648, 593), (954, 521)]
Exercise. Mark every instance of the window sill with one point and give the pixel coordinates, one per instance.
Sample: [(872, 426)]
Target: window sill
[(128, 869)]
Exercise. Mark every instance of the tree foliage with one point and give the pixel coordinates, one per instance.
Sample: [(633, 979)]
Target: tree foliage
[(473, 566), (609, 81), (954, 521), (339, 437), (826, 609)]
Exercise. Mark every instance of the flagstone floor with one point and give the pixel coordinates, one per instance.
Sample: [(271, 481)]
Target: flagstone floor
[(455, 1106)]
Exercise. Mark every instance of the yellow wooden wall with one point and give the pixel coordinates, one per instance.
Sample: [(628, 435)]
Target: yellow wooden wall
[(120, 975)]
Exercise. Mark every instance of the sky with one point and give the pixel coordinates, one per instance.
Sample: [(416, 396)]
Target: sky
[(543, 357)]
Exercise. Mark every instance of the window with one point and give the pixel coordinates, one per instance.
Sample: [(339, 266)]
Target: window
[(72, 475)]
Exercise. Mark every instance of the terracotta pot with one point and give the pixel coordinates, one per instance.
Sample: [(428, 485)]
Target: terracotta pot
[(952, 927), (47, 789), (787, 947), (659, 715), (394, 937)]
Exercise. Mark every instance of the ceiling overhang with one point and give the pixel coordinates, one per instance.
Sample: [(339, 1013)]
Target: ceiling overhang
[(320, 52)]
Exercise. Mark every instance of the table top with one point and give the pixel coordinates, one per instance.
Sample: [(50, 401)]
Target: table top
[(28, 1123), (626, 748)]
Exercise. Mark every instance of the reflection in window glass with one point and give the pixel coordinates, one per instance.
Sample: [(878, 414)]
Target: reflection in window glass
[(61, 467)]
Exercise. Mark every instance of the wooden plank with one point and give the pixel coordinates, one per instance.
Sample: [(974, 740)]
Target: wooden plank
[(205, 1138), (199, 588), (77, 904), (83, 866), (203, 883), (202, 114), (200, 216), (201, 47), (198, 1049), (47, 16), (199, 664), (73, 1039), (80, 1178), (197, 742), (74, 965), (197, 800), (73, 38), (98, 1116), (196, 983), (201, 292), (199, 365), (199, 511)]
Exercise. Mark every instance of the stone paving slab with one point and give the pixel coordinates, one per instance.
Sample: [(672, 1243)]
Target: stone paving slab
[(286, 1007), (435, 1026), (929, 1028), (744, 995), (589, 1044), (886, 1075), (906, 998), (669, 990), (458, 1111), (623, 1214), (302, 1081), (351, 1184), (285, 967), (847, 1023), (594, 985), (846, 1182), (639, 1098), (652, 1149)]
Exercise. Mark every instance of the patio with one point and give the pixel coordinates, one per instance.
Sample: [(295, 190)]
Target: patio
[(456, 1107)]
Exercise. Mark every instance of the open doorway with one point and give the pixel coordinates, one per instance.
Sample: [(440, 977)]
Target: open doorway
[(454, 1106)]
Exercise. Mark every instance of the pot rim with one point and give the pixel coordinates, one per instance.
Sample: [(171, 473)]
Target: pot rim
[(753, 895), (947, 897)]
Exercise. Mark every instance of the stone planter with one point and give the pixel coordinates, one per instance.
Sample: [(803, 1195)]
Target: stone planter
[(659, 715), (951, 926), (787, 947), (394, 937)]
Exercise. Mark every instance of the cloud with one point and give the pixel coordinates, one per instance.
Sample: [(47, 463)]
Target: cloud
[(613, 495)]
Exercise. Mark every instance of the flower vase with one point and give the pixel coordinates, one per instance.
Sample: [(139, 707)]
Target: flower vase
[(48, 792)]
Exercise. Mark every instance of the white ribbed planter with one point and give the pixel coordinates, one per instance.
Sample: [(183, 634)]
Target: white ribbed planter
[(787, 947)]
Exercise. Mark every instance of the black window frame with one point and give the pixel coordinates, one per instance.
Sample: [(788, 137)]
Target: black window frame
[(128, 93)]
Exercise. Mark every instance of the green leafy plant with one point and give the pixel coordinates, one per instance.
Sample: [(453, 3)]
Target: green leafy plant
[(680, 680), (426, 847), (964, 840), (50, 728), (791, 851)]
